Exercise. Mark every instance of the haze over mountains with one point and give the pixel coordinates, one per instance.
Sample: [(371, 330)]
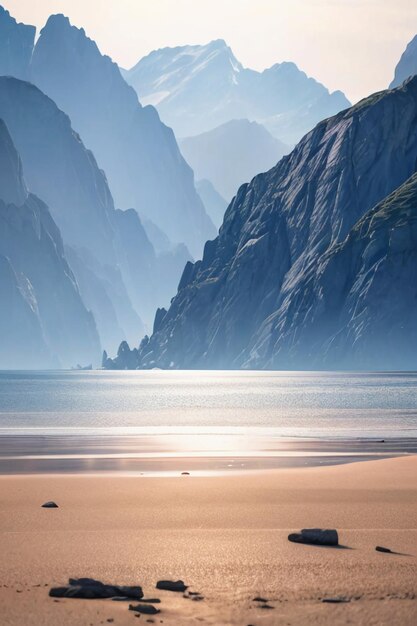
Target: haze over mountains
[(315, 261), (120, 276), (215, 204), (196, 88), (232, 154), (43, 321)]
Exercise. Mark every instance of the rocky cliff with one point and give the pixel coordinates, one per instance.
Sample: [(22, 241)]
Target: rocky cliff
[(234, 305), (355, 308), (43, 321)]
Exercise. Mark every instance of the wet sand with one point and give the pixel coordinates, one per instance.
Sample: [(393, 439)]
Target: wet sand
[(200, 453), (224, 535)]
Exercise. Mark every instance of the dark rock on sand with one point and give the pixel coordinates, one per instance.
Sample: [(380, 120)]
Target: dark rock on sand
[(88, 588), (335, 600), (259, 599), (50, 505), (171, 585), (316, 536), (266, 606), (147, 609), (382, 549), (151, 600)]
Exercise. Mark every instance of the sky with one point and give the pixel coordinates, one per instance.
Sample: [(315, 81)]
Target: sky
[(352, 45)]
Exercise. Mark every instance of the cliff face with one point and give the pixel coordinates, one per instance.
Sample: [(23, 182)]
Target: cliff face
[(16, 45), (407, 65), (43, 321), (138, 153), (357, 307), (231, 306), (197, 88)]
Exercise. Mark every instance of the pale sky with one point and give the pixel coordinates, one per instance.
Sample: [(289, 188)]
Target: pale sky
[(352, 45)]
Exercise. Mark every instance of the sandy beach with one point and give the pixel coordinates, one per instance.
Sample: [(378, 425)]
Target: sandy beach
[(224, 535)]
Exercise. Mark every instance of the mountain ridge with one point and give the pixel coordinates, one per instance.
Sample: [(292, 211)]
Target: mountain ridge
[(197, 88), (138, 152), (229, 306)]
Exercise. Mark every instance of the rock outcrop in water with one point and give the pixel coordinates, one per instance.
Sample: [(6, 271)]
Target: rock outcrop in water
[(16, 46), (196, 88), (138, 153), (43, 321), (314, 265), (407, 65)]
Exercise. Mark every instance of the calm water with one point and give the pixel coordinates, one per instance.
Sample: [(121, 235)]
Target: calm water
[(215, 403)]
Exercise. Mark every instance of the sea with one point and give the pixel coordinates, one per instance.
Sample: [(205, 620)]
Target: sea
[(130, 420)]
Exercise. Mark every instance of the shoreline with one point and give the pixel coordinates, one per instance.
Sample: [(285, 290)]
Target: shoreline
[(201, 453), (225, 536)]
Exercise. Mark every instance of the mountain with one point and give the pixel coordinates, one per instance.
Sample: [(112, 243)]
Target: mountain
[(232, 154), (16, 46), (214, 203), (60, 170), (197, 88), (43, 321), (118, 272), (139, 154), (407, 65), (357, 307), (291, 282)]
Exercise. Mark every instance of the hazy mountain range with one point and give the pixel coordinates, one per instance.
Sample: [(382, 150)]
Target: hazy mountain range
[(196, 88), (315, 262), (119, 274), (139, 154)]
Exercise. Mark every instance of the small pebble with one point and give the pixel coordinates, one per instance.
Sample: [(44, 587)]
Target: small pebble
[(382, 549), (148, 609)]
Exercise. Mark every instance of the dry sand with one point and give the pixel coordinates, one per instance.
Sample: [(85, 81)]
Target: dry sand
[(225, 536)]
